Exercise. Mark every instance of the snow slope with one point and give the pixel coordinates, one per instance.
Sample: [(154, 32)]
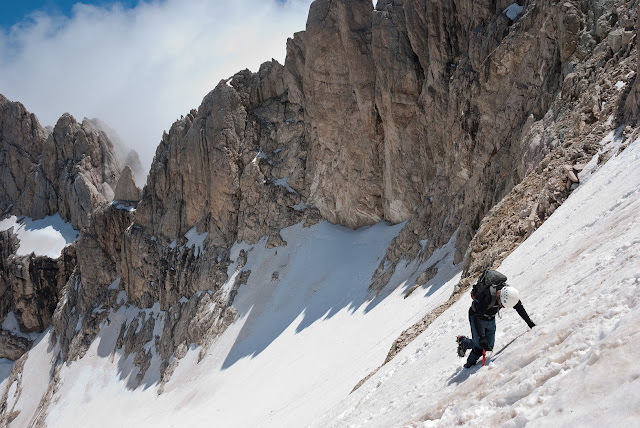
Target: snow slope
[(307, 332), (44, 237), (579, 277)]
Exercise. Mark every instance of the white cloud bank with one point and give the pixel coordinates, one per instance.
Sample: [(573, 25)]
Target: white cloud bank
[(139, 69)]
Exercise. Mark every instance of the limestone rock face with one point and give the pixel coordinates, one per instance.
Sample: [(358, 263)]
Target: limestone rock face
[(194, 178), (486, 109), (76, 162), (13, 347), (126, 189), (9, 244), (21, 142), (408, 166), (232, 170), (69, 171), (632, 105), (100, 248), (36, 286), (30, 285), (344, 166)]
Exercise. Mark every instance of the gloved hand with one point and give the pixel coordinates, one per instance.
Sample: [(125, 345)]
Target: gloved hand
[(484, 344), (532, 324)]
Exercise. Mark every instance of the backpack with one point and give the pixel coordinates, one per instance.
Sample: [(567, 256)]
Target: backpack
[(489, 278)]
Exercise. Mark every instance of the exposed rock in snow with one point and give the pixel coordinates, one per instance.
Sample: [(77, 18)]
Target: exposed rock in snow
[(22, 142), (101, 249), (344, 133), (632, 106), (30, 284), (12, 346)]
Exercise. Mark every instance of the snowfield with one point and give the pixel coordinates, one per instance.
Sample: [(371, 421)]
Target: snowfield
[(45, 237), (307, 332), (304, 337)]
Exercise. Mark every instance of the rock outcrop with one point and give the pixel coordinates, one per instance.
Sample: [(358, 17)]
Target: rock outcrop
[(126, 189), (342, 126), (491, 104), (21, 143), (101, 248), (231, 170), (12, 346), (9, 244), (77, 172), (632, 105), (36, 288), (30, 287), (69, 171)]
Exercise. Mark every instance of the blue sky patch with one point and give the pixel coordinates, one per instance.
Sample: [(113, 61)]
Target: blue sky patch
[(14, 12)]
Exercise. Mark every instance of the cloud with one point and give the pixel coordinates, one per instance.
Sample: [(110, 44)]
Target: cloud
[(139, 69)]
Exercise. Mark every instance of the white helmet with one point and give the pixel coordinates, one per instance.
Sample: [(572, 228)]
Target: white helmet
[(509, 296)]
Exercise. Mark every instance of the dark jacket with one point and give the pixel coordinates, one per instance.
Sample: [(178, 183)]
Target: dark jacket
[(485, 307)]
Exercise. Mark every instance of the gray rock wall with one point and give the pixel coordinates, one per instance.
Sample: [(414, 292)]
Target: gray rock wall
[(21, 142), (344, 166), (429, 112), (69, 171), (30, 287)]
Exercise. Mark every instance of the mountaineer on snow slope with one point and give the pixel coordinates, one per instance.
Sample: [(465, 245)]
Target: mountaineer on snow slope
[(490, 294)]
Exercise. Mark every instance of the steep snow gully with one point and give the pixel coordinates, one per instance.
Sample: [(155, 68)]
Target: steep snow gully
[(308, 331)]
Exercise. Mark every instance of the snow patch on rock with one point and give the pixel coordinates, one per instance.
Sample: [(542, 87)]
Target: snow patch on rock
[(44, 237), (513, 11)]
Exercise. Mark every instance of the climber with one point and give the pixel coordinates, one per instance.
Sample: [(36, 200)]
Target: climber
[(490, 294)]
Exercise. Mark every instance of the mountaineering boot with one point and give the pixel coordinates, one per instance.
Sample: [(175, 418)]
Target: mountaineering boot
[(461, 350)]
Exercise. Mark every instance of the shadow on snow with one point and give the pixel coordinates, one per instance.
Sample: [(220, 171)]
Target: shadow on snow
[(320, 273)]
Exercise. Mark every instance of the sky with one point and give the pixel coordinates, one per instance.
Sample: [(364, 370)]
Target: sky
[(136, 65), (14, 12)]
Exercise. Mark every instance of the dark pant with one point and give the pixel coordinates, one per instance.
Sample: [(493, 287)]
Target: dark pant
[(489, 331)]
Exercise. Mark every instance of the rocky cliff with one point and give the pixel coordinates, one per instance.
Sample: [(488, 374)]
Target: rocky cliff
[(30, 290), (70, 171), (423, 111)]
